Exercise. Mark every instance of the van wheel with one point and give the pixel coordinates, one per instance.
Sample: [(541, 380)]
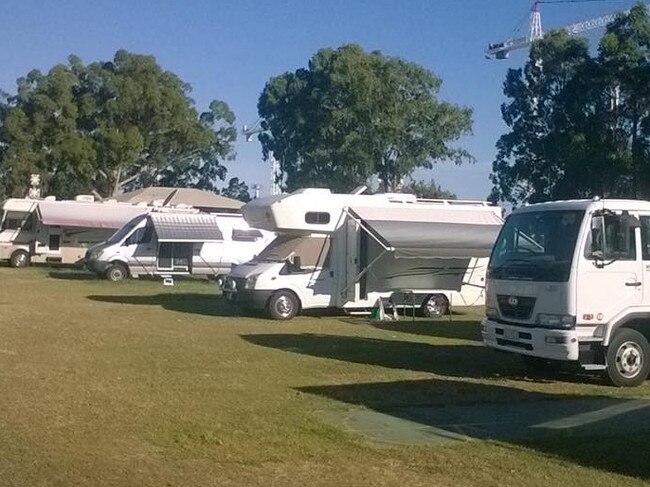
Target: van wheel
[(283, 305), (19, 258), (628, 358), (435, 306), (117, 272)]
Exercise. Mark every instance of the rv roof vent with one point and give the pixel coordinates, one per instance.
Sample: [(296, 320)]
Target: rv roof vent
[(50, 198), (88, 198), (596, 198)]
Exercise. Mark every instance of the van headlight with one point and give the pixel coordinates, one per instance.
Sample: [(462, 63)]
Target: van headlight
[(250, 281), (556, 321)]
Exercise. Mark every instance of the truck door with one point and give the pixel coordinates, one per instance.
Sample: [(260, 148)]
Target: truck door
[(611, 269), (644, 219)]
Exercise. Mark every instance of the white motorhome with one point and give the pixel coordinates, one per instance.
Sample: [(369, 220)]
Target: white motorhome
[(173, 243), (58, 231), (348, 250), (570, 281)]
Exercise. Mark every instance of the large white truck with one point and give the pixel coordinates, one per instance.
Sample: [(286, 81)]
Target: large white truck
[(348, 250), (570, 281), (173, 242), (50, 230)]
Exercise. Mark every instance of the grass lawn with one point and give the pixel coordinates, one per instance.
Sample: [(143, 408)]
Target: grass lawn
[(138, 384)]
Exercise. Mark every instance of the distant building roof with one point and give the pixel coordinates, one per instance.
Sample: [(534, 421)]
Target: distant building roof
[(204, 200)]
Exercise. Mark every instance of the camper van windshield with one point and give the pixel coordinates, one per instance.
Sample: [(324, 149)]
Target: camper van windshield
[(313, 251), (13, 220), (123, 232), (536, 246)]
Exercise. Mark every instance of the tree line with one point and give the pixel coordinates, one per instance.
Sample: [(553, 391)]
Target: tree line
[(578, 125), (106, 127)]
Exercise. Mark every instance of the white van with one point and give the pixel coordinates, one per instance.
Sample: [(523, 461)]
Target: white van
[(177, 243), (55, 231), (348, 250)]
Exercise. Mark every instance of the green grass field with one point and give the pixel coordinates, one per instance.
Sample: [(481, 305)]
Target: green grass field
[(138, 384)]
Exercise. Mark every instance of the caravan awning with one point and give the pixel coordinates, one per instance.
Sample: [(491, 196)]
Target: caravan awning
[(429, 233), (172, 227), (87, 215)]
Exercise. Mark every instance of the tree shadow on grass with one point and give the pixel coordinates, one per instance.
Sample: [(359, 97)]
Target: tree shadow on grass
[(193, 303), (600, 432), (474, 361)]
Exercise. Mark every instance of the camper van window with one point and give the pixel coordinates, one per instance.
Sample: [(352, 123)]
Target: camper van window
[(313, 251), (317, 217), (118, 236), (245, 235), (12, 220)]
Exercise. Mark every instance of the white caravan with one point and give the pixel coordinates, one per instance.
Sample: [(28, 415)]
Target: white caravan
[(348, 250), (58, 231), (570, 281), (172, 243)]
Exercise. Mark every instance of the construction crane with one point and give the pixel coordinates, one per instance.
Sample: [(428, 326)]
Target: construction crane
[(501, 50)]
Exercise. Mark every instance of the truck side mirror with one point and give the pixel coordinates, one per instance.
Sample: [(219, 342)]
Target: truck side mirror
[(597, 250)]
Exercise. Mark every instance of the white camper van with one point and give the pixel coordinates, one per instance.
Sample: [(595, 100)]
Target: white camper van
[(58, 231), (348, 250), (570, 281), (177, 243)]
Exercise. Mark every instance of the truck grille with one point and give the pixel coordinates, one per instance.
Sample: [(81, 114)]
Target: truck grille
[(517, 307)]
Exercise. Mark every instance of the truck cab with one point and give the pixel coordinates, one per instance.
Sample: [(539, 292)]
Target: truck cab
[(570, 281)]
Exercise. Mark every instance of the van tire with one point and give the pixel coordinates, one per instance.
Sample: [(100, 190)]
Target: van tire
[(117, 272), (20, 258), (434, 306), (283, 305), (628, 358)]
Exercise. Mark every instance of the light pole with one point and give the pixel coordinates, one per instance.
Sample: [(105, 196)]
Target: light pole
[(275, 166)]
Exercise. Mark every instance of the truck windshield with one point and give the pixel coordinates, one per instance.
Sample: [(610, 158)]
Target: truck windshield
[(123, 232), (313, 251), (536, 246)]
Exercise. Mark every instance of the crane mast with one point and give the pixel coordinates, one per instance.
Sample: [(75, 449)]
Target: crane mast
[(501, 50)]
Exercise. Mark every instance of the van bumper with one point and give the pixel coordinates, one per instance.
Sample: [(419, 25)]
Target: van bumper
[(249, 298), (537, 342), (96, 266)]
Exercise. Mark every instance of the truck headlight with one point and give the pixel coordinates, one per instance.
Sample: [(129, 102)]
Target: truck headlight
[(556, 321), (250, 281)]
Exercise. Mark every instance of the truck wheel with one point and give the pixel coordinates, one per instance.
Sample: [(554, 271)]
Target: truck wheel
[(435, 306), (116, 272), (628, 358), (19, 258), (283, 305)]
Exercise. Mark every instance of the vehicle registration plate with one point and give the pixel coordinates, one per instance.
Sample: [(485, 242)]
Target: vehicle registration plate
[(511, 334)]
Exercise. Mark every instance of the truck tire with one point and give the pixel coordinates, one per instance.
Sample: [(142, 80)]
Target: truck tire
[(20, 258), (283, 305), (628, 358), (434, 306), (117, 272)]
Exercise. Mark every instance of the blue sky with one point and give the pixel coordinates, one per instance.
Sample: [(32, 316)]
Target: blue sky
[(229, 49)]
